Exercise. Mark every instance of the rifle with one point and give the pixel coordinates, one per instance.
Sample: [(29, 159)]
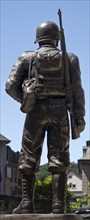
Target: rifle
[(69, 97)]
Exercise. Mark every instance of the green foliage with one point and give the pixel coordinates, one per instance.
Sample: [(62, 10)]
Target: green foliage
[(80, 202), (76, 205), (74, 167), (73, 207), (88, 185), (68, 198), (43, 172), (48, 180), (43, 195), (88, 199), (44, 191), (43, 188)]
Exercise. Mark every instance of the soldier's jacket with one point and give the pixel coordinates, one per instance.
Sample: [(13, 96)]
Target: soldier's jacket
[(19, 73)]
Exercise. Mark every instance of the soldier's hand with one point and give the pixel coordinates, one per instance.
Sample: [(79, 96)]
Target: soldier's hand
[(80, 123)]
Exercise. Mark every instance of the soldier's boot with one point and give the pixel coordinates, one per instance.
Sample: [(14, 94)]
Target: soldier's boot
[(59, 193), (27, 203)]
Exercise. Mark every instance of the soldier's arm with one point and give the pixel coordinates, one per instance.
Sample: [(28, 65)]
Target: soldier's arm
[(78, 97), (76, 85), (18, 73)]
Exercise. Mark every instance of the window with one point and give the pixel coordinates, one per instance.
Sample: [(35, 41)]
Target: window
[(9, 173), (70, 176), (74, 186), (70, 185)]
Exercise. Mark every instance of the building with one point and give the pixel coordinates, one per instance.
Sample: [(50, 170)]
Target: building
[(78, 184), (8, 168), (74, 183), (84, 166)]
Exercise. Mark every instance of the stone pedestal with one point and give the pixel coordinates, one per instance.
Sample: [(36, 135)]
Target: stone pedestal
[(41, 217)]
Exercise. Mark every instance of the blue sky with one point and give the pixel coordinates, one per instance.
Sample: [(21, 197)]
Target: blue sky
[(19, 19)]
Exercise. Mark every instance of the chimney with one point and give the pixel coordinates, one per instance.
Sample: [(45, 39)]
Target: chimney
[(88, 143), (84, 150)]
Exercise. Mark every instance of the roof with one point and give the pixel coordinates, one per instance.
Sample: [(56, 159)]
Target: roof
[(87, 155), (75, 173), (4, 139)]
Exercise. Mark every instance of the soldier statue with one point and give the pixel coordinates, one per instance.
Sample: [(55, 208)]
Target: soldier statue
[(46, 105)]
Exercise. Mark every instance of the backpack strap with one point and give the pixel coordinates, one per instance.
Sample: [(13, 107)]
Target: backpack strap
[(30, 64)]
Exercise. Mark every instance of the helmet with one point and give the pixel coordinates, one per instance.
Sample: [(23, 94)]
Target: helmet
[(47, 31)]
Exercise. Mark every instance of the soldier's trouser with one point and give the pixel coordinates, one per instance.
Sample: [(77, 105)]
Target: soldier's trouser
[(48, 115), (51, 116)]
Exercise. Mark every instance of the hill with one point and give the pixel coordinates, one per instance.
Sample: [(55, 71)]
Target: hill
[(43, 170)]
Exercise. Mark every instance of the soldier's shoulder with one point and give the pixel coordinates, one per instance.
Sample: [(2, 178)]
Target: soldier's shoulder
[(73, 58), (27, 54)]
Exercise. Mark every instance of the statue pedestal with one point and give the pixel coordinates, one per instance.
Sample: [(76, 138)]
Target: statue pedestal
[(40, 217)]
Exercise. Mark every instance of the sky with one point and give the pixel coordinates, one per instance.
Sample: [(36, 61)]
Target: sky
[(19, 19)]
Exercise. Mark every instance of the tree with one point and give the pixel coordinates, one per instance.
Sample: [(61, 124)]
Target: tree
[(43, 172), (74, 167), (44, 188), (43, 195)]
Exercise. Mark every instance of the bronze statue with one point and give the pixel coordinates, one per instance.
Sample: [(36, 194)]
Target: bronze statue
[(47, 83)]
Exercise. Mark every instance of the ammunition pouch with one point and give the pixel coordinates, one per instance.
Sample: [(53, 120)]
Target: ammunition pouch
[(29, 95), (34, 88)]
